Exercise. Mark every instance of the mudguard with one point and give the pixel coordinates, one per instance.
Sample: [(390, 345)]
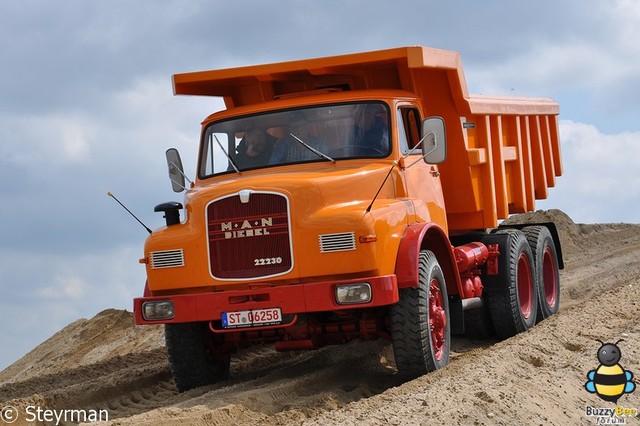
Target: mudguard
[(426, 236)]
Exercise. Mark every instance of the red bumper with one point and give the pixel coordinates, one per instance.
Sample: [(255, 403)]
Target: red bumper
[(293, 299)]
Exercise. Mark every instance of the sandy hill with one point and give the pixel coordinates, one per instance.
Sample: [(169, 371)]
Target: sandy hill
[(536, 377)]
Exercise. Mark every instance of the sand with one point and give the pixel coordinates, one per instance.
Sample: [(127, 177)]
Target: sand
[(535, 378)]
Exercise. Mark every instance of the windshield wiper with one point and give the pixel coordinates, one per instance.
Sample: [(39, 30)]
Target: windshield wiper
[(312, 149), (227, 154)]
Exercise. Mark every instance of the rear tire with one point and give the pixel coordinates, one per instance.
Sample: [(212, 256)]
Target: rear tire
[(420, 326), (195, 357), (478, 325), (513, 300), (547, 272)]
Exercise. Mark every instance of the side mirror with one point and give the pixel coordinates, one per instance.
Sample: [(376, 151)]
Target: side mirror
[(434, 145), (176, 171)]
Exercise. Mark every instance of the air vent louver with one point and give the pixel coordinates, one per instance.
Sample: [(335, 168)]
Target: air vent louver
[(167, 259), (337, 242)]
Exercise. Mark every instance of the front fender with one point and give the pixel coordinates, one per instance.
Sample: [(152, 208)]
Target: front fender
[(426, 236)]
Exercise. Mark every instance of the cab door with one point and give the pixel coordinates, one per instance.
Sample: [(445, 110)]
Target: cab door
[(422, 180)]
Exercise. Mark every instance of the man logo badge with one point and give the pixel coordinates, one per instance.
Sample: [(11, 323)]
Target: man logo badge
[(255, 228)]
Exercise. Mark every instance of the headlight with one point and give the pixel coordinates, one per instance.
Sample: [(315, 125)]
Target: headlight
[(348, 294), (157, 310)]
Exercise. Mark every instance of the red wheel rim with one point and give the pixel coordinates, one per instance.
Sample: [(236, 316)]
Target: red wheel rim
[(525, 286), (437, 319), (550, 280)]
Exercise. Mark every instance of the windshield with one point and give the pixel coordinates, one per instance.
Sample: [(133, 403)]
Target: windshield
[(326, 133)]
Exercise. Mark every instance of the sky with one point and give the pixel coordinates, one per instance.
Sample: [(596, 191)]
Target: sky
[(87, 107)]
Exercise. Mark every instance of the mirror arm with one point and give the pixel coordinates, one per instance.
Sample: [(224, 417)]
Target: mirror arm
[(424, 155), (175, 167), (179, 184)]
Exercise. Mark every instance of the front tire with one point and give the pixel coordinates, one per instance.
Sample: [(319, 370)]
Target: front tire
[(420, 327), (195, 356)]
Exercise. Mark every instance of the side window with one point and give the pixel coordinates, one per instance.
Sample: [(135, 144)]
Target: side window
[(214, 159), (409, 118)]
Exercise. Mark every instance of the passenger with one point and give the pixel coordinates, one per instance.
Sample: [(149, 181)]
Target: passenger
[(373, 135), (254, 150), (290, 149)]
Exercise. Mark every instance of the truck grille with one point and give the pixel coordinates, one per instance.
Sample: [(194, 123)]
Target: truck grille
[(249, 237)]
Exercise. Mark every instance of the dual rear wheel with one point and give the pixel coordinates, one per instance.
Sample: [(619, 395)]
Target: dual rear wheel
[(547, 271), (527, 289)]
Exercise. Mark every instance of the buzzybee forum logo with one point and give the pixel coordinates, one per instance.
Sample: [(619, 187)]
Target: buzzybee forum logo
[(610, 380)]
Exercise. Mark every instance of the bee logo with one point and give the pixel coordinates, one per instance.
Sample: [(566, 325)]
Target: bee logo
[(610, 381)]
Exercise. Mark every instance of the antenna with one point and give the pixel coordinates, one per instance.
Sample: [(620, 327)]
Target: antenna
[(129, 211)]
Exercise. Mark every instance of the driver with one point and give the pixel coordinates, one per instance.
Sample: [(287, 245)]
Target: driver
[(255, 148), (290, 150)]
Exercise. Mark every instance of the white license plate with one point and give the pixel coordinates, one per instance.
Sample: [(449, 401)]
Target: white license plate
[(253, 318)]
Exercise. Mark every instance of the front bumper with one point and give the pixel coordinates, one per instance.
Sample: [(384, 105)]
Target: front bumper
[(292, 299)]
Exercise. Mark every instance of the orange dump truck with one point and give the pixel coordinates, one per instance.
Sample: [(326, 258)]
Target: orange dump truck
[(353, 197)]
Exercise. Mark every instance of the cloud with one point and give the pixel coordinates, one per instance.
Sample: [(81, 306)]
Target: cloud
[(557, 65), (600, 175), (65, 287), (38, 142), (61, 165), (585, 63)]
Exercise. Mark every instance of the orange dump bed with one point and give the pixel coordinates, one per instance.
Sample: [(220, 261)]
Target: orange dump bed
[(503, 152)]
